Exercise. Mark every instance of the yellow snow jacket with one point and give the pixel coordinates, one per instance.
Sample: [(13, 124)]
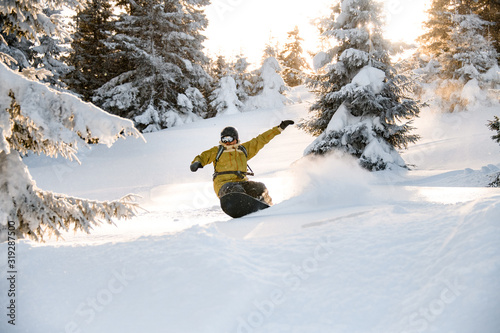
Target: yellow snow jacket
[(234, 159)]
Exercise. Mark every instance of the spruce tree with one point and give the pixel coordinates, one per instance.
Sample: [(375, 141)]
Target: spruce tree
[(37, 119), (364, 107), (490, 11), (494, 125), (271, 49), (438, 28), (446, 16), (470, 54), (224, 99), (462, 58), (292, 60), (220, 68), (165, 86), (269, 87), (93, 62), (242, 78), (50, 57), (16, 50), (35, 43)]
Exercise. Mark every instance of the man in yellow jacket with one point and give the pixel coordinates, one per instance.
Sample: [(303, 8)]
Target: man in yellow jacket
[(230, 162)]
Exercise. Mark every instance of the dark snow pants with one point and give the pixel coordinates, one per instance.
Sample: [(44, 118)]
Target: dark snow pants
[(253, 189)]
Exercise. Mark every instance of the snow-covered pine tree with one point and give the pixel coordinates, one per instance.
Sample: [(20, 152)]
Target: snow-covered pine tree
[(490, 11), (224, 99), (460, 49), (271, 49), (292, 61), (434, 41), (92, 62), (364, 107), (470, 54), (35, 118), (270, 87), (467, 67), (439, 25), (219, 68), (494, 125), (242, 78), (49, 55), (35, 42), (18, 27), (163, 43)]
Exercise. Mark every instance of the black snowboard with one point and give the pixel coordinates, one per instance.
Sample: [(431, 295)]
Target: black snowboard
[(237, 204)]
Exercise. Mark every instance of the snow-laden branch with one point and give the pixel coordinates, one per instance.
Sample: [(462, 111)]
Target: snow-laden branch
[(35, 118), (59, 116)]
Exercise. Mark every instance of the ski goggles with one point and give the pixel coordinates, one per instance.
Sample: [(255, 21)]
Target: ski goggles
[(227, 139)]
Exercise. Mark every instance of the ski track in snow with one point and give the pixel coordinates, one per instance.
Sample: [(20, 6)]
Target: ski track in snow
[(342, 250)]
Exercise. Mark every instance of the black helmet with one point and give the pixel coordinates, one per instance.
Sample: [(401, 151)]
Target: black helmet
[(229, 133)]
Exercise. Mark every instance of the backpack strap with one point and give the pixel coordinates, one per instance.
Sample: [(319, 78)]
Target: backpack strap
[(219, 153), (243, 149)]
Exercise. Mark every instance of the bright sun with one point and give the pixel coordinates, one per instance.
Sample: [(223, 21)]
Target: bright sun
[(244, 27)]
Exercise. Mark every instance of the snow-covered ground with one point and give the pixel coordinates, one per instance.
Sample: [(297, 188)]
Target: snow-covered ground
[(342, 249)]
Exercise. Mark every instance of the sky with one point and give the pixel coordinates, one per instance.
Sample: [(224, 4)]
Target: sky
[(245, 26)]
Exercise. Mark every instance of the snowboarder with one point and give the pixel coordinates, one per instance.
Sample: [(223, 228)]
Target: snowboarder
[(230, 162)]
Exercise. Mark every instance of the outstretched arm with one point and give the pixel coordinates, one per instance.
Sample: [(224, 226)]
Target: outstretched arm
[(253, 146)]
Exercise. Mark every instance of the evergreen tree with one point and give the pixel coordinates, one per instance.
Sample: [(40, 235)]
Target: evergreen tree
[(93, 63), (35, 43), (50, 56), (292, 61), (220, 68), (269, 87), (271, 49), (438, 28), (17, 49), (489, 11), (470, 54), (37, 119), (364, 107), (224, 99), (447, 16), (163, 43), (463, 58), (494, 125), (242, 78)]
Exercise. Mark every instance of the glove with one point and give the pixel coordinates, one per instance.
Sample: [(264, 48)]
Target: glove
[(285, 123), (195, 166)]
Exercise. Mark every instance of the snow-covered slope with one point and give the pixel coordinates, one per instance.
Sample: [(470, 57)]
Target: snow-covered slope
[(342, 249)]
